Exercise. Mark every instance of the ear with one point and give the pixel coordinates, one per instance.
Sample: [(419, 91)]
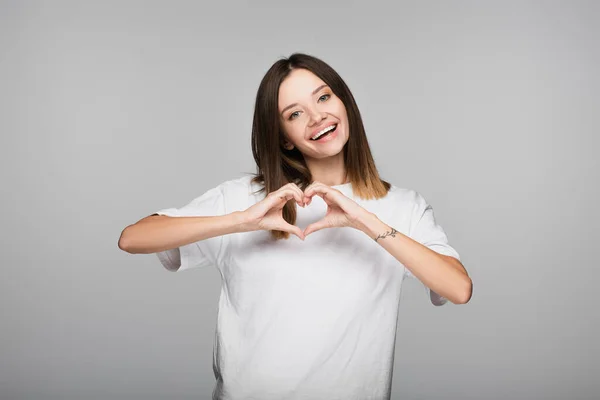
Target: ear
[(285, 143)]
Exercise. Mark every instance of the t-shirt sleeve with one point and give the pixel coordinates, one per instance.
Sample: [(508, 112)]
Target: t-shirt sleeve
[(429, 233), (202, 253)]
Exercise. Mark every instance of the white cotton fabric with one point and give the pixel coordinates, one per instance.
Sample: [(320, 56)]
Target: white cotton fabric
[(306, 320)]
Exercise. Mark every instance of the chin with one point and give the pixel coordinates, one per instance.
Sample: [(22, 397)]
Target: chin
[(330, 153)]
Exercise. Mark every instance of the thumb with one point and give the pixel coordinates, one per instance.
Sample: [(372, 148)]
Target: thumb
[(316, 226), (286, 227)]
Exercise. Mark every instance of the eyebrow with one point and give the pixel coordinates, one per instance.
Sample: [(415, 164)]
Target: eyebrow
[(295, 104)]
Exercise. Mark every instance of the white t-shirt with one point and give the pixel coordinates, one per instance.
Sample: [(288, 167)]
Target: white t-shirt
[(313, 319)]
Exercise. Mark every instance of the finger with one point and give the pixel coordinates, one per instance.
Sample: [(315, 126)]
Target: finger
[(278, 198), (297, 189), (285, 194), (300, 193), (320, 190), (298, 232), (309, 192), (316, 226), (293, 229), (306, 198)]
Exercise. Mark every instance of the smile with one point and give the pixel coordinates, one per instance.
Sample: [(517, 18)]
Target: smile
[(324, 133)]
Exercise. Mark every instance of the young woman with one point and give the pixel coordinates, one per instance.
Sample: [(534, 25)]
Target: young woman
[(312, 250)]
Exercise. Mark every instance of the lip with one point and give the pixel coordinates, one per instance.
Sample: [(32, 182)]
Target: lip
[(329, 138), (317, 130)]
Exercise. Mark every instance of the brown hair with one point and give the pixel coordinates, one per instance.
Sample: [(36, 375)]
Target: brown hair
[(277, 166)]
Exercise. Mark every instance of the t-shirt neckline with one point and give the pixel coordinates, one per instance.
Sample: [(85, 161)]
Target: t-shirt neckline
[(342, 185)]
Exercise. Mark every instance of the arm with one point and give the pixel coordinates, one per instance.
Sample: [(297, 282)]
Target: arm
[(442, 274), (158, 232)]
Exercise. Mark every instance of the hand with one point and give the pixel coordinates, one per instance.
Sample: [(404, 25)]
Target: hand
[(341, 210), (267, 214)]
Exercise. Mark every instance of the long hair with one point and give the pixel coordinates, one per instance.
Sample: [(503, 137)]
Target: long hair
[(278, 166)]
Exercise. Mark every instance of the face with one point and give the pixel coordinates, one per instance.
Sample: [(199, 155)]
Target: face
[(309, 109)]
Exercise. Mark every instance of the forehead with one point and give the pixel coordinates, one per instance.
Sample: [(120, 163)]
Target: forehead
[(298, 86)]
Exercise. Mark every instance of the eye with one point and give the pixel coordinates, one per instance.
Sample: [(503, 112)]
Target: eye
[(294, 115), (325, 97)]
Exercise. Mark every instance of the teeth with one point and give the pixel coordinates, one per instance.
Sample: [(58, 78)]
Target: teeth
[(324, 131)]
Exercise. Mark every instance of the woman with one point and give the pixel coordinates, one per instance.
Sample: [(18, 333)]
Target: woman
[(310, 315)]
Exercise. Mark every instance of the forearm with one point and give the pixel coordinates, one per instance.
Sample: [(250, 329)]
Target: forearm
[(439, 273), (159, 233)]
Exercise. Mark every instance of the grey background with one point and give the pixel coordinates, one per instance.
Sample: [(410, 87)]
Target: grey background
[(113, 110)]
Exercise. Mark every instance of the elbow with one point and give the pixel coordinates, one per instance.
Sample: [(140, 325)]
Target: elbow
[(125, 241), (466, 291)]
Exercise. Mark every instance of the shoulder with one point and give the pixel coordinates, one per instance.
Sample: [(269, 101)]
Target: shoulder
[(405, 197), (238, 183), (238, 187), (399, 202)]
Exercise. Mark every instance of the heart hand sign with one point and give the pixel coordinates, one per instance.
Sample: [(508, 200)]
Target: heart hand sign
[(341, 210)]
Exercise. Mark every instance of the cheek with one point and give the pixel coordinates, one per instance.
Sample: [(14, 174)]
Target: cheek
[(344, 114), (340, 109), (293, 131)]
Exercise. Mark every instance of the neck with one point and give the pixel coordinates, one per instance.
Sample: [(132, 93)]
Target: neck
[(329, 171)]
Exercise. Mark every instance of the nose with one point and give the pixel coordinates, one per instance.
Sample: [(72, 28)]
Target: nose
[(315, 115)]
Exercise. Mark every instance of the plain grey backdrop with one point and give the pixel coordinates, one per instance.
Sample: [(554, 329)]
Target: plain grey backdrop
[(113, 110)]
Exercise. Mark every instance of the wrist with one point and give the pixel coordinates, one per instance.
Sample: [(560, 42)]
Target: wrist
[(370, 225), (242, 221)]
